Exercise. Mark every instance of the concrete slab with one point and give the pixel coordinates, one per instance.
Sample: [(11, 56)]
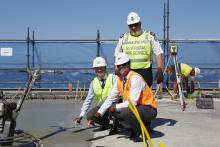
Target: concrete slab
[(192, 128), (51, 121)]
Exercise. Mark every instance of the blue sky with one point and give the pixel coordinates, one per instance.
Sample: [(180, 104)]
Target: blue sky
[(80, 19)]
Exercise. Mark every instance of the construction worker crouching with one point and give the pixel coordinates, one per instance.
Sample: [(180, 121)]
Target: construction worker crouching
[(99, 89), (139, 45), (130, 84), (186, 72)]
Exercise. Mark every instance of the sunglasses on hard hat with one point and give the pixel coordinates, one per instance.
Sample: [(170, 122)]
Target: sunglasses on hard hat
[(133, 25)]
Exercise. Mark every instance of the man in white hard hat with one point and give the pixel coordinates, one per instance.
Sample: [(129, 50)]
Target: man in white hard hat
[(130, 84), (99, 89), (140, 45), (186, 72)]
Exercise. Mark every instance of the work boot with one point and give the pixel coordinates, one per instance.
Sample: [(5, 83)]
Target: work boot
[(113, 131), (114, 128), (150, 130), (104, 124), (104, 127), (159, 95), (136, 136)]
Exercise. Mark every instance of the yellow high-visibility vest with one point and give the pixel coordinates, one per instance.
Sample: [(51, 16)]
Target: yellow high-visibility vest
[(185, 69), (138, 49), (101, 94)]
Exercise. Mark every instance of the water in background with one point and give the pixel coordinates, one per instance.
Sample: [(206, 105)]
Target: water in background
[(80, 55)]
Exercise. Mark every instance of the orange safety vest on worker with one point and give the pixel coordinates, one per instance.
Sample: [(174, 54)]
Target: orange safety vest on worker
[(146, 97)]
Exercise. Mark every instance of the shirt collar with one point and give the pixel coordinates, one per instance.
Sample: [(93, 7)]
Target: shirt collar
[(127, 76)]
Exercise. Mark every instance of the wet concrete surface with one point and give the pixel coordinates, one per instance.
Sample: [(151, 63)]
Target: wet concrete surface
[(52, 122)]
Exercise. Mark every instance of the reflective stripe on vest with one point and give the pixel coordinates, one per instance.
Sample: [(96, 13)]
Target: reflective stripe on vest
[(101, 94), (138, 49), (185, 69), (146, 97)]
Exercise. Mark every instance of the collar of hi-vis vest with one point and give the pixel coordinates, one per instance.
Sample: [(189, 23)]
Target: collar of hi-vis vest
[(127, 76), (144, 34), (138, 49)]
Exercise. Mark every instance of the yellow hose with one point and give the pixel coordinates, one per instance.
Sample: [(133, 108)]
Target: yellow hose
[(142, 128), (144, 131)]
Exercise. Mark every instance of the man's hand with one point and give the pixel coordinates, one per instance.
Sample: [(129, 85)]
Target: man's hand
[(93, 120), (91, 123), (78, 120), (112, 108), (159, 75), (98, 115)]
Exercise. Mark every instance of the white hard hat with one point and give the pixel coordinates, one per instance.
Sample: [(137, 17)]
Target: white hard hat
[(99, 62), (133, 18), (197, 71), (121, 58)]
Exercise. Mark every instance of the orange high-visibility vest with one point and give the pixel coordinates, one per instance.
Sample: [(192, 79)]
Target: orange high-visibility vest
[(146, 97)]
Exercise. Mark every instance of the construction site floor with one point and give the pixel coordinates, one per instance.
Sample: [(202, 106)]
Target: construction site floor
[(52, 122)]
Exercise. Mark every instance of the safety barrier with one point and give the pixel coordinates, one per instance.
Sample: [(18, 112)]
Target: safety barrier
[(78, 89), (73, 91)]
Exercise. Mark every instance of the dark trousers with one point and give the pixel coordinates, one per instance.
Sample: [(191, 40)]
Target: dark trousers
[(147, 114), (103, 121), (146, 74)]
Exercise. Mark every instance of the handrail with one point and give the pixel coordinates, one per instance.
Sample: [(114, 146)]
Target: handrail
[(66, 82), (45, 69), (217, 40), (77, 89)]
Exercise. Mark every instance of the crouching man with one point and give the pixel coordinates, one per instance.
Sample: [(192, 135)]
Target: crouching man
[(130, 84), (99, 89)]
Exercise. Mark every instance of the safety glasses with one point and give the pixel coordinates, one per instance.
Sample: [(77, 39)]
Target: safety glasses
[(133, 25), (100, 69), (122, 66)]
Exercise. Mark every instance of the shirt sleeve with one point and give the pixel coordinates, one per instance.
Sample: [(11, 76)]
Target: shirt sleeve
[(118, 48), (157, 49), (137, 85), (113, 96), (87, 101), (115, 78)]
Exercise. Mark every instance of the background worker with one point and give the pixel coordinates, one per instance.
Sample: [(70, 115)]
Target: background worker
[(186, 72), (139, 44), (99, 89), (130, 84)]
